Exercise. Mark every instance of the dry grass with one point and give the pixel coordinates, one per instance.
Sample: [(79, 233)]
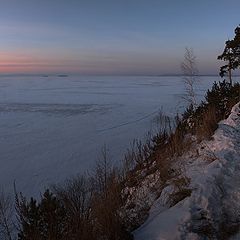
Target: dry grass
[(208, 124)]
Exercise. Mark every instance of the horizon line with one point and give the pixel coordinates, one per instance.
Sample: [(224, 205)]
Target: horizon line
[(104, 74)]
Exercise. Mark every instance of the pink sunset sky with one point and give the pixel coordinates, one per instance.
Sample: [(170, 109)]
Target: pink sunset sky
[(112, 37)]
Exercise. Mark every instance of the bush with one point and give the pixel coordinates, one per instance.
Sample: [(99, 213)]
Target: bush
[(44, 220), (83, 208), (218, 103)]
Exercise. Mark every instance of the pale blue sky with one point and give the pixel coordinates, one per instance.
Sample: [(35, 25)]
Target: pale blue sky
[(113, 36)]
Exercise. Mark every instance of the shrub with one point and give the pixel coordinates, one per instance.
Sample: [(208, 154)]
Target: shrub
[(218, 103), (76, 195), (44, 220), (82, 208)]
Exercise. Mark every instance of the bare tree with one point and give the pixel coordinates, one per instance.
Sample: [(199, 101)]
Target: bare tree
[(6, 215), (190, 76), (76, 195)]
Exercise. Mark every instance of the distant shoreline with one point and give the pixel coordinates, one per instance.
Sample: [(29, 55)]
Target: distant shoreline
[(103, 75)]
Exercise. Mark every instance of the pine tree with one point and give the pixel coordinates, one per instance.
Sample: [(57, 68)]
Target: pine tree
[(41, 221), (231, 55)]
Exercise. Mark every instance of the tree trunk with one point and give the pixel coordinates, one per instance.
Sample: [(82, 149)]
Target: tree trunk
[(230, 74)]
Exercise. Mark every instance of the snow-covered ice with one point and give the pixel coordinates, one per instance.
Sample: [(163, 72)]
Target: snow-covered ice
[(54, 127)]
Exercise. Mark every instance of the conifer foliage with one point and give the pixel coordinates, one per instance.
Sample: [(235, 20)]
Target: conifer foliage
[(217, 106), (41, 220), (231, 55)]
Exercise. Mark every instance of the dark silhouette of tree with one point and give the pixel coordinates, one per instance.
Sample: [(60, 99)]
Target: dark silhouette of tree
[(231, 55), (44, 220)]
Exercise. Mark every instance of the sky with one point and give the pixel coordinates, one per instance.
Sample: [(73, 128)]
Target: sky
[(117, 37)]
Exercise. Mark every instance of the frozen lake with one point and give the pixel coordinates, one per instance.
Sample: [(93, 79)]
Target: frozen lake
[(54, 127)]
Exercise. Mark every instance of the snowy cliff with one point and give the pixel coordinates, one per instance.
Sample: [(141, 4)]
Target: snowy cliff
[(212, 209)]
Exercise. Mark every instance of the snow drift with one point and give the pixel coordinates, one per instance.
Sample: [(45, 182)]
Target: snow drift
[(213, 208)]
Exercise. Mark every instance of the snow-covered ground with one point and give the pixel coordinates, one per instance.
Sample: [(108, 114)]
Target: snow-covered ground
[(213, 208), (54, 127)]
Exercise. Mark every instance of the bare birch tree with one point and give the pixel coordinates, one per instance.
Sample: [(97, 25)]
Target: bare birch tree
[(6, 215), (190, 76)]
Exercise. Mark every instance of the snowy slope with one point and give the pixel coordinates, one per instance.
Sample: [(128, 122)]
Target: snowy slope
[(213, 209)]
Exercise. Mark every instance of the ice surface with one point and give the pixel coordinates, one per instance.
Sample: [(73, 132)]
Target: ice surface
[(52, 128)]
